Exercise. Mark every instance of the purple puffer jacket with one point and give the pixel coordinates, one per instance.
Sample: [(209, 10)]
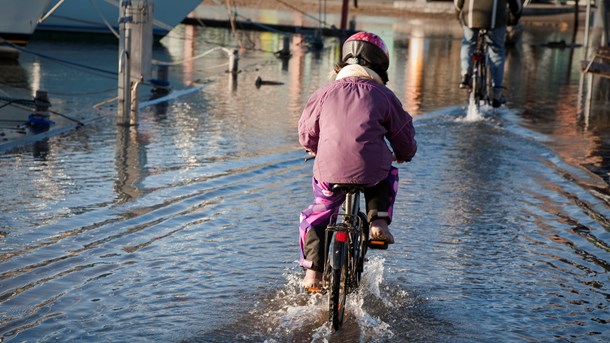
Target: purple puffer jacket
[(345, 123)]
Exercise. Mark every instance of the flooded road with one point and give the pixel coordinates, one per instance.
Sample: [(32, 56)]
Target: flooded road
[(184, 229)]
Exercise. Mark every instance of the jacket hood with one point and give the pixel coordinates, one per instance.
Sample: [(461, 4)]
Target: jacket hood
[(356, 70)]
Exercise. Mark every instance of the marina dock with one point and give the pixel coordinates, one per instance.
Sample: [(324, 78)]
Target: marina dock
[(185, 227), (15, 127)]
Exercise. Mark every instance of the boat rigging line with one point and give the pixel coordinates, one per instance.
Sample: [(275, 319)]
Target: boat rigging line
[(29, 104), (319, 20), (229, 52), (70, 63)]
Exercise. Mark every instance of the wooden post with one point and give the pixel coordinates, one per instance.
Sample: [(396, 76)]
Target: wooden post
[(135, 56)]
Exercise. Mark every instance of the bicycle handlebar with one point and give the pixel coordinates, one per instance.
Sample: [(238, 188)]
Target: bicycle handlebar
[(312, 156)]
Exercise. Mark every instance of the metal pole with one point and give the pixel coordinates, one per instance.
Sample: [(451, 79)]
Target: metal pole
[(39, 120), (605, 8), (233, 67), (42, 104), (587, 24), (588, 99), (161, 85), (133, 110), (581, 86), (124, 83), (286, 47), (233, 61), (344, 10)]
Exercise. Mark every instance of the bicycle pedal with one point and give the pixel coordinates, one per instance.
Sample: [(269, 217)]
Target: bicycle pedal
[(315, 290), (375, 244)]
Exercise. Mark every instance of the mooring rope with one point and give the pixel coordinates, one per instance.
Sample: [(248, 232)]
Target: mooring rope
[(79, 65)]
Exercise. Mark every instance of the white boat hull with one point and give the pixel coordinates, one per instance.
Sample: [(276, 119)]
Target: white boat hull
[(95, 16), (18, 19)]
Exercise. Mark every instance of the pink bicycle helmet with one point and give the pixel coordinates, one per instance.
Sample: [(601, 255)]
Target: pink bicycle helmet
[(366, 48)]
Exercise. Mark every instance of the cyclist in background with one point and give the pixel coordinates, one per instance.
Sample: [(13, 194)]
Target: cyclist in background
[(492, 15), (345, 124)]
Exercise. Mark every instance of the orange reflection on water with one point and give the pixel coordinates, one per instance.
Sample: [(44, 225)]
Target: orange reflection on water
[(415, 73), (295, 69), (188, 52), (573, 142)]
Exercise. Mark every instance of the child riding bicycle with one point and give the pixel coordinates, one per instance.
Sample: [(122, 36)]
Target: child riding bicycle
[(345, 124)]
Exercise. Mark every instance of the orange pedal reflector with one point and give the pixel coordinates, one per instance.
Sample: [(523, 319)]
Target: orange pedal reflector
[(314, 289), (378, 244)]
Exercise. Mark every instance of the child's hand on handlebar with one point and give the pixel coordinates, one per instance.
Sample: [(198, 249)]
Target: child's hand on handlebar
[(311, 154), (396, 160)]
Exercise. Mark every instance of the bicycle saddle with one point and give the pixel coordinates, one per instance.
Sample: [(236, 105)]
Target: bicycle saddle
[(348, 187)]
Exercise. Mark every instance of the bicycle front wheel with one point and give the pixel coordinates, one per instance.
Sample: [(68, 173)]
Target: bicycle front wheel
[(338, 283)]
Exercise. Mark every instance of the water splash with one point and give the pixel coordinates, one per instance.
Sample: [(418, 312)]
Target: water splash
[(473, 113), (372, 328), (293, 315)]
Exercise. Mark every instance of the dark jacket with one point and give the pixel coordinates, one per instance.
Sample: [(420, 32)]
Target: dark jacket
[(486, 14), (346, 123)]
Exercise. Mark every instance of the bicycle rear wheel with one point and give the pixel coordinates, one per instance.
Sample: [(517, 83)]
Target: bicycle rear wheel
[(338, 282), (479, 83), (362, 246)]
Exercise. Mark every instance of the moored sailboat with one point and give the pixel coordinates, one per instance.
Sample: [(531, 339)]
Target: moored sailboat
[(101, 16)]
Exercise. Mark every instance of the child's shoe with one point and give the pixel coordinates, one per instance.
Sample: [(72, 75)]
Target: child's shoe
[(380, 232), (312, 282)]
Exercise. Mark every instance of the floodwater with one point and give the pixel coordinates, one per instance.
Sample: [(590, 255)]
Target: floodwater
[(184, 228)]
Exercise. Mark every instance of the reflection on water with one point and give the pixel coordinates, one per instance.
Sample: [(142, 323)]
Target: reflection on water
[(183, 228), (415, 72), (130, 161), (12, 74)]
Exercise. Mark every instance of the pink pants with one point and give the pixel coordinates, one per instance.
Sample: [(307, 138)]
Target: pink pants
[(379, 204)]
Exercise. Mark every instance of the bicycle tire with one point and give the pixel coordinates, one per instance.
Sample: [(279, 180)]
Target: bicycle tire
[(475, 84), (489, 83), (338, 283), (474, 93), (478, 83), (362, 247), (480, 75), (483, 83)]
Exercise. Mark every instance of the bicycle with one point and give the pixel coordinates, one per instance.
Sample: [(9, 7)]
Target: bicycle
[(345, 254), (481, 84)]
